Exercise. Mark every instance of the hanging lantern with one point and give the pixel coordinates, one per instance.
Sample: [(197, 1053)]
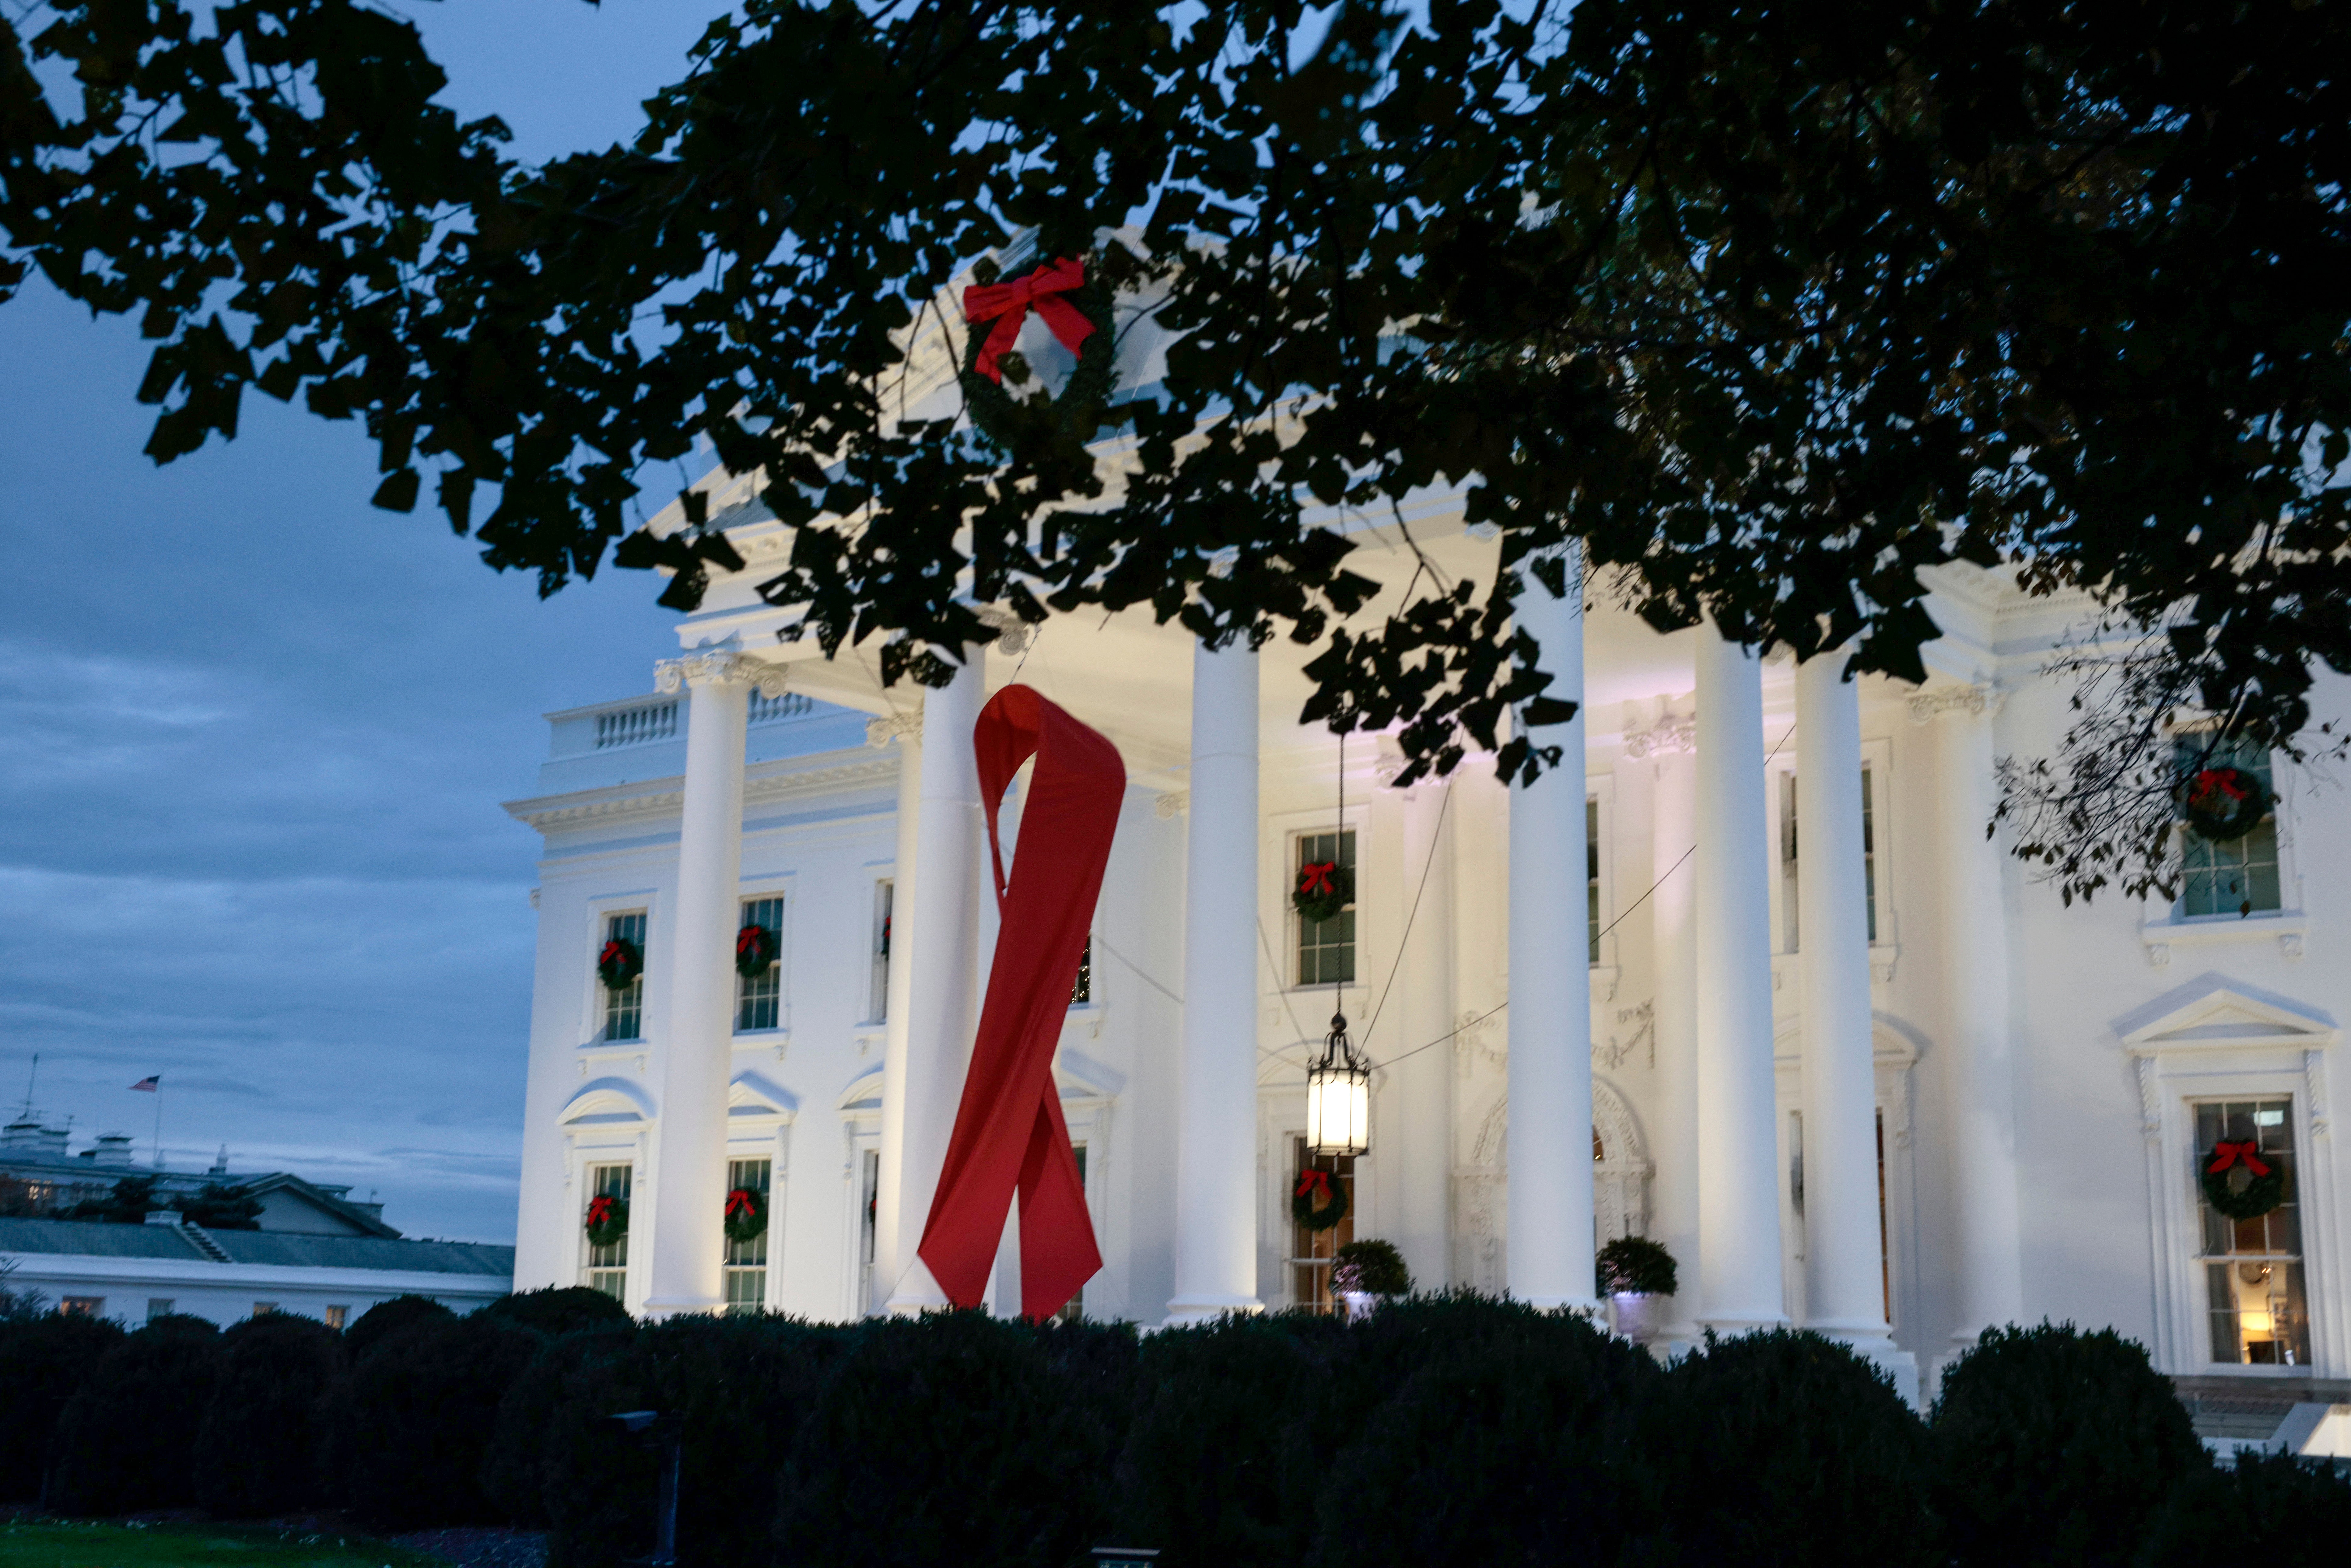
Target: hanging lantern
[(1339, 1096)]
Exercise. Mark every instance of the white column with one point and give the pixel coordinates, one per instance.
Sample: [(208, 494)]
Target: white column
[(1739, 1199), (943, 978), (1417, 1091), (1549, 1160), (892, 1248), (1975, 990), (1673, 1140), (1216, 1133), (1845, 1288), (684, 1271)]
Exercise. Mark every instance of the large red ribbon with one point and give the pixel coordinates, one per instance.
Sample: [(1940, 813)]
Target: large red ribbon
[(2225, 1155), (2224, 780), (1009, 304), (739, 1202), (1008, 1131), (1314, 877), (600, 1209)]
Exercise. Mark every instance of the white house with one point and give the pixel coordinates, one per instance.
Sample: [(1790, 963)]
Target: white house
[(1888, 1087)]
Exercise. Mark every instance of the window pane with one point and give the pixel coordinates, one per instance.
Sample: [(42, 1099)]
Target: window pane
[(2252, 1268), (2240, 876), (624, 1009), (759, 999), (1326, 948)]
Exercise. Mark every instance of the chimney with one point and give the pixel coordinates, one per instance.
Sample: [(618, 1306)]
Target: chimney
[(114, 1151)]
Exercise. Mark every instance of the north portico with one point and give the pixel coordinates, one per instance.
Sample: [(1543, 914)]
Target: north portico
[(1825, 1042)]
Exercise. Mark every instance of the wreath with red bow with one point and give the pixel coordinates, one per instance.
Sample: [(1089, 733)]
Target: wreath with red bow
[(2242, 1182), (620, 962), (746, 1213), (2223, 803), (1079, 317), (1317, 1202), (1324, 888), (608, 1219), (755, 951)]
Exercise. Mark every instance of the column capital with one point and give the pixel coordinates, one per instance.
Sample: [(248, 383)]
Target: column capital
[(1977, 700), (1170, 804), (720, 668), (1672, 733), (883, 729), (1013, 635)]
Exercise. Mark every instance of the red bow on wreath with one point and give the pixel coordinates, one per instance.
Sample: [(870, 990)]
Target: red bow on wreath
[(614, 952), (599, 1207), (2225, 1155), (740, 1201), (2224, 780), (748, 939), (1009, 304), (1315, 876), (1316, 1182)]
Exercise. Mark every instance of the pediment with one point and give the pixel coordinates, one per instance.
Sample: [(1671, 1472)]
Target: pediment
[(756, 1094), (606, 1101), (862, 1093), (2215, 1012)]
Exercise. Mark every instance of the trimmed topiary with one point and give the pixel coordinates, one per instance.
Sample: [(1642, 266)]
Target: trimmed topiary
[(126, 1440), (1371, 1265), (1638, 1265), (423, 1411), (2276, 1510), (949, 1438), (1503, 1447), (384, 1319), (42, 1362), (561, 1309), (2052, 1446), (263, 1444), (1787, 1448)]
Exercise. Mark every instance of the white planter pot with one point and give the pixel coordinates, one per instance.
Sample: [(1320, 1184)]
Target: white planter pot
[(1359, 1304), (1639, 1314)]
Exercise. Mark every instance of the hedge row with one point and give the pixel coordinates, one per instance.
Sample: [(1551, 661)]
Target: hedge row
[(1444, 1429)]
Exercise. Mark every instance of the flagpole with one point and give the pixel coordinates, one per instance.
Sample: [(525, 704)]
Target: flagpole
[(158, 1126)]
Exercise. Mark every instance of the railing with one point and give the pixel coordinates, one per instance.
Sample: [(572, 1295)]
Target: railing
[(636, 725), (766, 710)]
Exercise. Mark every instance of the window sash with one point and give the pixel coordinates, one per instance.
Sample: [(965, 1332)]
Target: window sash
[(2241, 875), (1326, 948), (624, 1009), (759, 998), (2256, 1296)]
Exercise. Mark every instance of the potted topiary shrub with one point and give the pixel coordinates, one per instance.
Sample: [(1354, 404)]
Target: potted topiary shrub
[(1364, 1271), (1637, 1274)]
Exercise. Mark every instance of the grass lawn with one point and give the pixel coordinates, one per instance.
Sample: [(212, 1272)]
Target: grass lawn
[(49, 1544)]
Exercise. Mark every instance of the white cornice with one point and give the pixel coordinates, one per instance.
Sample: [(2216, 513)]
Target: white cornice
[(763, 782)]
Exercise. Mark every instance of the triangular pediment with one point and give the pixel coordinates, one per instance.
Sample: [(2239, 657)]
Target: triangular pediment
[(2214, 1011), (756, 1094)]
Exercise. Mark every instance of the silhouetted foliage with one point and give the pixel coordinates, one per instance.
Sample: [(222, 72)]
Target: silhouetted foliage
[(220, 1207), (42, 1362), (265, 1445), (126, 1441), (423, 1413), (2275, 1509), (385, 1319), (560, 1309), (127, 1204)]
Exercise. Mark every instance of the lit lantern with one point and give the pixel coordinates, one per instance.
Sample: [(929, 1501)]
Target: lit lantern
[(1339, 1096)]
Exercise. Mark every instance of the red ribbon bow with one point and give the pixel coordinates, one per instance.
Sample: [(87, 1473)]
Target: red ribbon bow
[(612, 952), (1316, 1182), (2221, 779), (1009, 304), (748, 940), (740, 1201), (1315, 877), (2225, 1155), (599, 1207)]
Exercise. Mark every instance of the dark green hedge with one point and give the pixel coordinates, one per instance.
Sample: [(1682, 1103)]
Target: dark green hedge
[(42, 1362), (264, 1445), (423, 1412), (126, 1442)]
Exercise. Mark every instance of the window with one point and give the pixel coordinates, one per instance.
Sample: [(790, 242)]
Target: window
[(607, 1266), (1313, 1251), (759, 998), (2252, 1268), (337, 1317), (265, 1309), (1592, 872), (1326, 948), (2240, 876), (160, 1307), (1074, 1309), (885, 897), (871, 1188), (83, 1307), (624, 1009), (1788, 903), (1083, 993), (747, 1261)]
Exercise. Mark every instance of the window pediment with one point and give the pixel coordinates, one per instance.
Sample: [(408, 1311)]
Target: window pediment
[(2213, 1012)]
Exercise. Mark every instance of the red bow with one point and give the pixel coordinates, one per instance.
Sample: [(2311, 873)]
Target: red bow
[(613, 952), (748, 940), (740, 1201), (1315, 877), (2221, 779), (1316, 1182), (2225, 1155), (599, 1207), (1009, 304)]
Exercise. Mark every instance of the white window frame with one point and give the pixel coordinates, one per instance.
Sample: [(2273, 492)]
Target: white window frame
[(648, 901), (1293, 922), (2163, 928), (749, 890), (883, 906), (1607, 969), (1885, 950), (2220, 1040), (759, 1117)]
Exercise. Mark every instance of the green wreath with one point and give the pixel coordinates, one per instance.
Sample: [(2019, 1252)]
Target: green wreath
[(608, 1219), (1313, 1185), (1075, 412), (755, 951), (1324, 888), (746, 1213), (2263, 1187), (2223, 804), (620, 962)]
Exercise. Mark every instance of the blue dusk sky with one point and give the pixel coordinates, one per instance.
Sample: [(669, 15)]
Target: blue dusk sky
[(254, 735)]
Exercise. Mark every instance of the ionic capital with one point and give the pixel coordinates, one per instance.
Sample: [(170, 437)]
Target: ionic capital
[(720, 669), (1976, 701), (1013, 635), (1672, 733), (883, 729)]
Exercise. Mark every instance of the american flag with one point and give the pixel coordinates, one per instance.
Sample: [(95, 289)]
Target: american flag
[(152, 1085)]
